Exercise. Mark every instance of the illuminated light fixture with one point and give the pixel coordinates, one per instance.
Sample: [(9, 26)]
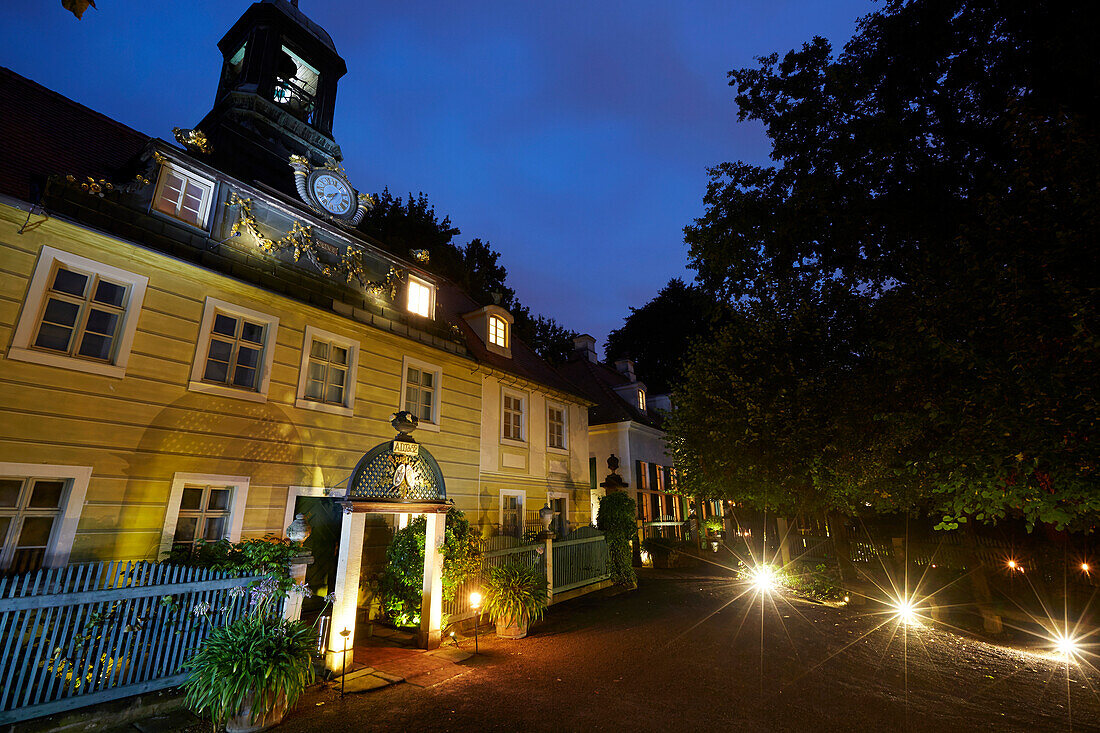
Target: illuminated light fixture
[(764, 579), (845, 599), (1066, 645), (1011, 564), (905, 611), (1084, 567)]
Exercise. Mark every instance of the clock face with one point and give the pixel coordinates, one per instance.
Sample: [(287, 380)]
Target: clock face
[(333, 193)]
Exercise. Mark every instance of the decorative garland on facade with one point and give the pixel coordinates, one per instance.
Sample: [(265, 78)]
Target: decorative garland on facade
[(299, 239)]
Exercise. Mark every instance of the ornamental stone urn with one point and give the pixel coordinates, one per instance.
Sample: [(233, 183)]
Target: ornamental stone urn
[(298, 530)]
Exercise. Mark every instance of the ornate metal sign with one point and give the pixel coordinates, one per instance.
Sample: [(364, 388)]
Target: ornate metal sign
[(398, 471)]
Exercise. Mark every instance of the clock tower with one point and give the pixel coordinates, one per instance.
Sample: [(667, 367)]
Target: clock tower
[(275, 98)]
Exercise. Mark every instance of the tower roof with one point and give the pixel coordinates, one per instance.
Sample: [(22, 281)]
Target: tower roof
[(291, 11)]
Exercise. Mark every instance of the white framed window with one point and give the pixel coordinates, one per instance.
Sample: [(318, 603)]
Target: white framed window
[(556, 426), (512, 504), (79, 314), (327, 377), (421, 297), (422, 391), (40, 509), (183, 195), (203, 506), (498, 332), (234, 352), (513, 416), (641, 400)]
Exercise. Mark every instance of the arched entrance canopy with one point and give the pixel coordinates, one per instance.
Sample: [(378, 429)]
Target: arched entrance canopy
[(398, 476)]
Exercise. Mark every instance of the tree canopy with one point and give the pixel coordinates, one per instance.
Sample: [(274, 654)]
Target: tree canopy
[(911, 288), (404, 224), (657, 336)]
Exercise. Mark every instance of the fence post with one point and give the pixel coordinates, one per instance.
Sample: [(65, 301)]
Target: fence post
[(292, 607), (549, 569), (783, 530)]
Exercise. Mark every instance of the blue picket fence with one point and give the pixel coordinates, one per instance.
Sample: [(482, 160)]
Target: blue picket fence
[(85, 634)]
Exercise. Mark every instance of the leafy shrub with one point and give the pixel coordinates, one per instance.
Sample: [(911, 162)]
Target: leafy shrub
[(616, 518), (270, 556), (515, 592), (816, 582), (713, 524), (258, 659), (402, 582)]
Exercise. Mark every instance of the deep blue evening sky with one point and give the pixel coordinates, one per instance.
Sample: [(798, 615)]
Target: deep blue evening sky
[(573, 136)]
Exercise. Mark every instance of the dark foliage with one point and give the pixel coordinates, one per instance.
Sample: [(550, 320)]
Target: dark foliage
[(615, 518), (912, 290), (658, 335)]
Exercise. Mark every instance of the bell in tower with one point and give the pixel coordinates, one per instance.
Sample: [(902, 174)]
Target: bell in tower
[(276, 95)]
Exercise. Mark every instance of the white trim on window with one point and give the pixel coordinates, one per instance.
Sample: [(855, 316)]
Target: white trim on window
[(71, 506), (437, 398), (205, 186), (525, 403), (522, 495), (420, 297), (564, 409), (350, 373), (211, 309), (239, 486), (22, 348)]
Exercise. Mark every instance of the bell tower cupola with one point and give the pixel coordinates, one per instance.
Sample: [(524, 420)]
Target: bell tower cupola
[(276, 96)]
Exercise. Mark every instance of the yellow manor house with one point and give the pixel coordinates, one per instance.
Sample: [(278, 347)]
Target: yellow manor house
[(198, 343)]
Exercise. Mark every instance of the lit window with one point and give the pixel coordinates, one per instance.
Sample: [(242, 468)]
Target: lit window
[(234, 352), (420, 297), (555, 431), (79, 314), (420, 395), (183, 195), (203, 515), (641, 400), (30, 512), (498, 332), (511, 513), (297, 85), (513, 417)]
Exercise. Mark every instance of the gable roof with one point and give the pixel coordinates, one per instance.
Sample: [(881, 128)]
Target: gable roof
[(525, 363), (45, 133), (598, 382)]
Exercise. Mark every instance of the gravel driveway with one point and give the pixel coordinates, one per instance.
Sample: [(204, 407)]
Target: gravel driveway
[(678, 655)]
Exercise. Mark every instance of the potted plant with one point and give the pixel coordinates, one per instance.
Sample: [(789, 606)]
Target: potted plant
[(515, 595), (248, 672)]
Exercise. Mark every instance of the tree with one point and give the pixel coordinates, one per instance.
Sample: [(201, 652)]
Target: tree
[(919, 263), (658, 335), (401, 225)]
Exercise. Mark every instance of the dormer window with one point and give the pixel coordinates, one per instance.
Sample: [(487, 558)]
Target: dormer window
[(498, 332), (183, 195), (296, 83), (641, 400), (421, 297)]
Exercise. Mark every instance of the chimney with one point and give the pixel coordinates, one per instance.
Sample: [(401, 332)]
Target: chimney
[(586, 346), (626, 366)]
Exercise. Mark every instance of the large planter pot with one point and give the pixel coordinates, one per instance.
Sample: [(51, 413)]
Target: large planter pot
[(243, 722), (510, 629)]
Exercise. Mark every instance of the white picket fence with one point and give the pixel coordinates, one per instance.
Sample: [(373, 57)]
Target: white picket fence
[(85, 634)]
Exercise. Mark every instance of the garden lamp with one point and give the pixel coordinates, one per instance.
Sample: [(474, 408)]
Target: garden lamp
[(344, 672), (475, 603)]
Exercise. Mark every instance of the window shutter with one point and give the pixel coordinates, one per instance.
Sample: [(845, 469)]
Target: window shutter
[(592, 473), (653, 476), (639, 482)]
